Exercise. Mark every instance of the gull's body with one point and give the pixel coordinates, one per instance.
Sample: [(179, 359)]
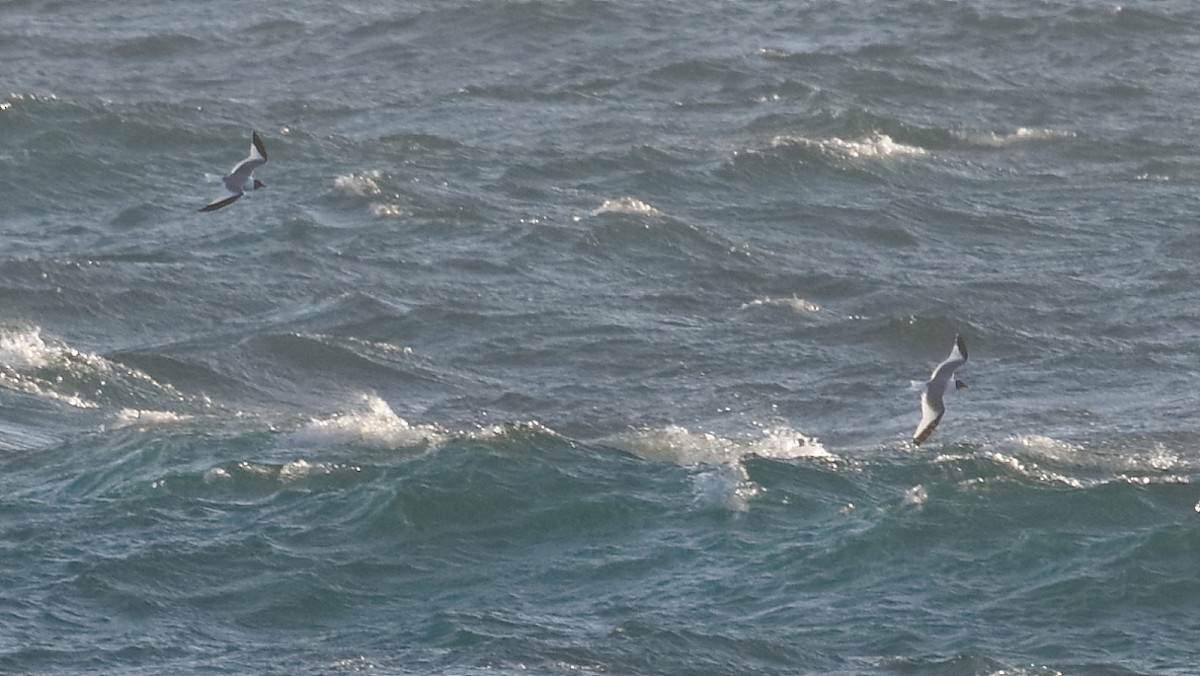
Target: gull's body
[(240, 179), (933, 390)]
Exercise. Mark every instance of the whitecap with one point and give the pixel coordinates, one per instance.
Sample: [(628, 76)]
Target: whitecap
[(798, 305), (874, 146), (128, 417), (372, 424), (388, 210), (32, 364), (25, 348), (1020, 135), (501, 430), (216, 474), (784, 443), (18, 97), (680, 445), (355, 664), (723, 487), (917, 495), (721, 479), (675, 443), (1033, 470), (1161, 462), (1152, 177), (1163, 458), (626, 205), (297, 469), (1049, 447), (362, 184), (368, 184)]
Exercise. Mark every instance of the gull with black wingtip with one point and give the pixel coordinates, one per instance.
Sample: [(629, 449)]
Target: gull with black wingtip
[(240, 180), (933, 390)]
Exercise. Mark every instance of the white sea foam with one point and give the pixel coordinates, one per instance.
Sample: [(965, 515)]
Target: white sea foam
[(25, 348), (626, 205), (677, 444), (1027, 467), (917, 495), (723, 487), (354, 664), (784, 443), (1153, 177), (1163, 458), (793, 303), (131, 417), (680, 445), (293, 471), (1054, 461), (372, 424), (18, 97), (499, 430), (1158, 464), (216, 474), (34, 365), (874, 146), (1049, 447), (1031, 670), (388, 210), (297, 469), (1017, 464), (721, 478), (367, 184), (1020, 135), (362, 184)]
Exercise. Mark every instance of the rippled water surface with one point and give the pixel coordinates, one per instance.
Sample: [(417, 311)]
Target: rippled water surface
[(576, 336)]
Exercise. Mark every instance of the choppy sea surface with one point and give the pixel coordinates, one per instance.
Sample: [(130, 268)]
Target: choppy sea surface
[(576, 336)]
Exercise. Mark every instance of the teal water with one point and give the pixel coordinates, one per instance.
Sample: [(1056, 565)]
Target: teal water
[(576, 336)]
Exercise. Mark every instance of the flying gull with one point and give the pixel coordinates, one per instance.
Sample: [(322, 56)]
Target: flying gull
[(239, 179), (932, 408)]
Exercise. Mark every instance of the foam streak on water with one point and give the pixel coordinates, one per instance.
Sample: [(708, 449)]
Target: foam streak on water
[(574, 336)]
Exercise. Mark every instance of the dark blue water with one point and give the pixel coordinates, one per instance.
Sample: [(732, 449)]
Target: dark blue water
[(576, 337)]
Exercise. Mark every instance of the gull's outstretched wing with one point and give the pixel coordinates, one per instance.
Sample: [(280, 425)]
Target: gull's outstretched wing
[(223, 202), (942, 378), (958, 356), (932, 410), (258, 157)]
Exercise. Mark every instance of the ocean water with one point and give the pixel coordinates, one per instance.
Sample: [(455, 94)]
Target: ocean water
[(575, 336)]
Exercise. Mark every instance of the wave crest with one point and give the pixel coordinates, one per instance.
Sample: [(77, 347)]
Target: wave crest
[(373, 424), (873, 146), (1020, 135), (720, 479), (626, 205), (32, 364)]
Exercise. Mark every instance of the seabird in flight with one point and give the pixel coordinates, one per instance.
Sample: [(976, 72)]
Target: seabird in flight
[(239, 179), (932, 408)]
